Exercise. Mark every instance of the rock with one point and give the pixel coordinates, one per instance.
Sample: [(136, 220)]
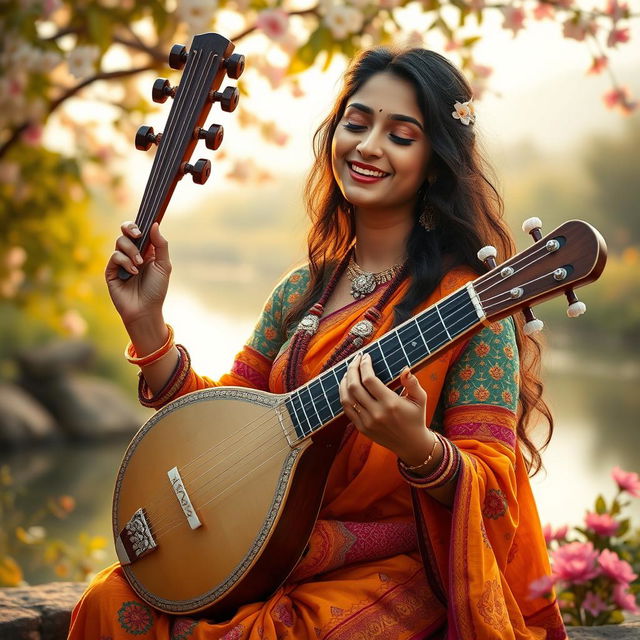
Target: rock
[(54, 358), (630, 630), (87, 406), (22, 418), (38, 613)]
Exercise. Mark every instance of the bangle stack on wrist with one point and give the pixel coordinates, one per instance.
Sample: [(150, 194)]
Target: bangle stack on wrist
[(173, 385), (444, 473)]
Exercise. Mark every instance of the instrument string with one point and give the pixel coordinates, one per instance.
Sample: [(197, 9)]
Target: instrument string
[(270, 440), (499, 279)]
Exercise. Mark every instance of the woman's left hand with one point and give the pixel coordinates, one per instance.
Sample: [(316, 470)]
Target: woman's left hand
[(393, 421)]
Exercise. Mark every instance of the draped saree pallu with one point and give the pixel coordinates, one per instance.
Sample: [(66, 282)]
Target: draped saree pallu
[(385, 561)]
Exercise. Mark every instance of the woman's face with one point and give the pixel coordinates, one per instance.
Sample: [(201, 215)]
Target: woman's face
[(382, 128)]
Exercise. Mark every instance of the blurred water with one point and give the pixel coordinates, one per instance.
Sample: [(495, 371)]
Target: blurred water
[(593, 395)]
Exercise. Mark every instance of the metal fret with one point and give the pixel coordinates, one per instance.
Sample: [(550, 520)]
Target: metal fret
[(443, 324)]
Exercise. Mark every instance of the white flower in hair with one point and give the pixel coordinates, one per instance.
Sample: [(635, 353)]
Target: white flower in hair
[(465, 112)]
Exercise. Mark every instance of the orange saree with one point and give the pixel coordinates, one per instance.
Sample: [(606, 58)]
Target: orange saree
[(385, 561)]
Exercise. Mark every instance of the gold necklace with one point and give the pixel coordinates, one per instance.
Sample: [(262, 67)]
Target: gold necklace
[(364, 282)]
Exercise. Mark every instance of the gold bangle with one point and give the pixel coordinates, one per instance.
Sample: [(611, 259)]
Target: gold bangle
[(132, 357), (422, 464)]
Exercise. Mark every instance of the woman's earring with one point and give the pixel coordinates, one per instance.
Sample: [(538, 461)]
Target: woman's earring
[(427, 217)]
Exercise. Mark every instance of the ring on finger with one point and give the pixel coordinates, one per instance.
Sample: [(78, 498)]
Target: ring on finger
[(356, 407)]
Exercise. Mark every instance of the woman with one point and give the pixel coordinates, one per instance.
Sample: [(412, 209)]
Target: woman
[(428, 528)]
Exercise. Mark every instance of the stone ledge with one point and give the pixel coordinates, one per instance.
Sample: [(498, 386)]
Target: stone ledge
[(43, 612)]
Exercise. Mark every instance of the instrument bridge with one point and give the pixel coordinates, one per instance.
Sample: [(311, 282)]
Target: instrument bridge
[(183, 498)]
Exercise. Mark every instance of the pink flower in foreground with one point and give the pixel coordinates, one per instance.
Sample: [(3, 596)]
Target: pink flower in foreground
[(603, 525), (559, 534), (626, 481), (541, 587), (594, 604), (274, 23), (617, 36), (575, 562), (624, 599), (616, 568)]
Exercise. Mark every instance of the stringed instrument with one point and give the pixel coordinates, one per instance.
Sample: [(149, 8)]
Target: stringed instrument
[(219, 491), (206, 65)]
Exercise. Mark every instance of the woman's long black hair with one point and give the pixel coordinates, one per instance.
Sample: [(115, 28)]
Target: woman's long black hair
[(465, 207)]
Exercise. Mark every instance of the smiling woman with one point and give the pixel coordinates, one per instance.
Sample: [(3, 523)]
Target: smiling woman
[(426, 527)]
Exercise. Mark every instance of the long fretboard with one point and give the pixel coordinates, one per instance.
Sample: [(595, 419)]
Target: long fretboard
[(318, 402)]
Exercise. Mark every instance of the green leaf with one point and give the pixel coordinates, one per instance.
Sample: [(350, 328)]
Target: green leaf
[(623, 528), (100, 27), (320, 40), (615, 508), (601, 505)]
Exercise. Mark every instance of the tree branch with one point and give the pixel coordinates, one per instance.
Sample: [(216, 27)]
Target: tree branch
[(107, 75)]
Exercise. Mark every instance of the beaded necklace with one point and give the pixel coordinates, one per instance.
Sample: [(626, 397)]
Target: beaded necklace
[(357, 336)]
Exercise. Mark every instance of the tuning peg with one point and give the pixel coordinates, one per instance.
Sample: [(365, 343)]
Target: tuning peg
[(178, 56), (162, 90), (228, 98), (533, 226), (235, 65), (576, 308), (200, 171), (533, 325), (145, 138), (488, 256), (212, 136)]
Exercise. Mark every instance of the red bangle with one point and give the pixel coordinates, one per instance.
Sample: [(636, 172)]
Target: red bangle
[(132, 357)]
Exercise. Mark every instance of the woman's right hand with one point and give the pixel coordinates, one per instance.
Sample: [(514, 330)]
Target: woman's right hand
[(141, 296)]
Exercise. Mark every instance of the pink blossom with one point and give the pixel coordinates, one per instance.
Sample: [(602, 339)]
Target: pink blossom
[(603, 525), (558, 534), (575, 562), (541, 587), (624, 599), (578, 29), (619, 97), (617, 10), (544, 10), (513, 18), (274, 23), (626, 481), (615, 568), (617, 36), (598, 65), (593, 604)]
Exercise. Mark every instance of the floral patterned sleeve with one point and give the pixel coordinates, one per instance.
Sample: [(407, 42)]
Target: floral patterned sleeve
[(252, 365), (478, 408)]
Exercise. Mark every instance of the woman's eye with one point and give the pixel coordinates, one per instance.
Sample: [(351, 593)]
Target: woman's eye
[(353, 127), (400, 140)]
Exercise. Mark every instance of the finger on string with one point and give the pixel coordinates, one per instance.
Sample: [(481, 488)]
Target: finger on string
[(374, 386), (414, 391), (357, 391)]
